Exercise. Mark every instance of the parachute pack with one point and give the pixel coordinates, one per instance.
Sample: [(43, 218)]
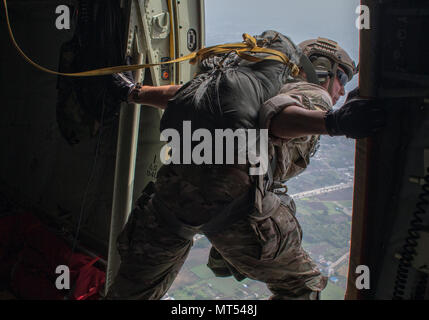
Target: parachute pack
[(229, 90)]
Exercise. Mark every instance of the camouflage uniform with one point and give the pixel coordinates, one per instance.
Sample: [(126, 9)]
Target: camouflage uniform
[(262, 243)]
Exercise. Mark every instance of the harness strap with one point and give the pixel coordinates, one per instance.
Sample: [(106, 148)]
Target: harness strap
[(331, 82), (169, 219), (234, 211), (269, 177)]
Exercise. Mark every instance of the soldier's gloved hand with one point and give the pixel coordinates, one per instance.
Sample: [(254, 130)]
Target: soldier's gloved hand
[(357, 118), (123, 84)]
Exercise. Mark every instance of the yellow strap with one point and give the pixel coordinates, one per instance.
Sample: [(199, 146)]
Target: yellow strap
[(249, 45)]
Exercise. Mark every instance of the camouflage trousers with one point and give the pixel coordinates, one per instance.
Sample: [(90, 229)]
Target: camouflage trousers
[(260, 247)]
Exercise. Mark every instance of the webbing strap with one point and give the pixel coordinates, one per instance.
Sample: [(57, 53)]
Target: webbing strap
[(309, 70), (269, 177), (249, 45), (331, 82), (232, 212)]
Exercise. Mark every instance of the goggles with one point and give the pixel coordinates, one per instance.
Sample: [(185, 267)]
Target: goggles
[(342, 77)]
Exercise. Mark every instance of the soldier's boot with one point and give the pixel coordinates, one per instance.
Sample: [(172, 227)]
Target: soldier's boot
[(222, 268)]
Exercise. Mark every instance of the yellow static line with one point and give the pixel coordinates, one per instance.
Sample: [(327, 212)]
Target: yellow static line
[(249, 45)]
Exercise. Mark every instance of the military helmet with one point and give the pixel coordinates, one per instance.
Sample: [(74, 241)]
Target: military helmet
[(315, 48)]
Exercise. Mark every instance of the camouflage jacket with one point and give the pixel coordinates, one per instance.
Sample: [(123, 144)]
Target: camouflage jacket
[(293, 155), (203, 190)]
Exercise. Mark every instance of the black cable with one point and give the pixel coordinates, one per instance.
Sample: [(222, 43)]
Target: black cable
[(409, 248), (82, 207), (422, 283), (109, 22), (91, 177)]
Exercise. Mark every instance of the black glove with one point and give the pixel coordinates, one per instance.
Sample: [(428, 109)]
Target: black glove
[(357, 118), (123, 84)]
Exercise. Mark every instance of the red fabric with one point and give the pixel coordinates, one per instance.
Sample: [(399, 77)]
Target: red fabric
[(89, 281), (33, 253), (31, 278)]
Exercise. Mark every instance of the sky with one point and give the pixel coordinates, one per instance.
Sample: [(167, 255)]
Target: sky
[(227, 20)]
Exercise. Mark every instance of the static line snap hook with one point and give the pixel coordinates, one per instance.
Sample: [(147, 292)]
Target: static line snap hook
[(249, 40)]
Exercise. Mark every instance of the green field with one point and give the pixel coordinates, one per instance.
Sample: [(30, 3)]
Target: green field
[(209, 287), (346, 203), (332, 207), (183, 295), (203, 272), (333, 292), (303, 209), (227, 286)]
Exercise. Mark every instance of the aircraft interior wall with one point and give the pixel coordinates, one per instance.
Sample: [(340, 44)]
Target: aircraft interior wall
[(391, 166)]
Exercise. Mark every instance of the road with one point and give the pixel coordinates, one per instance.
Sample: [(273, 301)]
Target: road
[(321, 190), (336, 263)]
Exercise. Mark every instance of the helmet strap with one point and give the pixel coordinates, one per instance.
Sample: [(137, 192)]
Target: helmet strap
[(334, 74), (309, 70)]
